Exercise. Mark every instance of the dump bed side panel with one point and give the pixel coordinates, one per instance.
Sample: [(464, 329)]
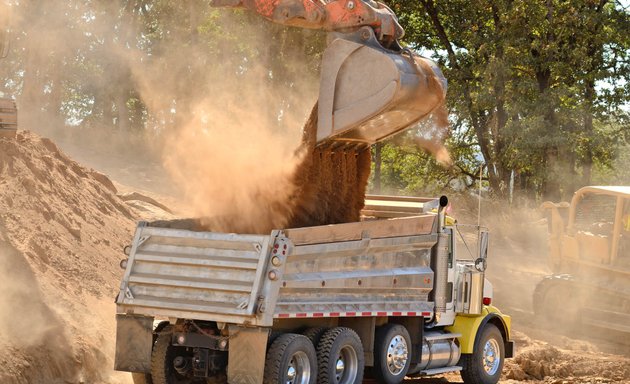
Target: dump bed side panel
[(382, 269), (373, 268), (198, 275)]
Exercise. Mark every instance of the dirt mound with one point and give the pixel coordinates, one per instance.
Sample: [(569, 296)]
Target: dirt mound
[(540, 361), (62, 230)]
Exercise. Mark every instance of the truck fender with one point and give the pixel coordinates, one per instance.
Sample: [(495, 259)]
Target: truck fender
[(469, 327)]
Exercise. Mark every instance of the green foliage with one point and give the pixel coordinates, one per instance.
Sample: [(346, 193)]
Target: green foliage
[(541, 84)]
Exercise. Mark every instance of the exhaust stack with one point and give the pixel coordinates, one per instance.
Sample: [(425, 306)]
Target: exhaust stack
[(440, 262)]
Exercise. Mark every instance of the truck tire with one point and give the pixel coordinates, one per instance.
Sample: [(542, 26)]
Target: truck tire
[(291, 359), (392, 354), (485, 364), (314, 334), (340, 357)]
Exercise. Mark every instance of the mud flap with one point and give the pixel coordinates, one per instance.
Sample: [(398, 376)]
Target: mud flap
[(247, 353), (368, 93), (134, 343)]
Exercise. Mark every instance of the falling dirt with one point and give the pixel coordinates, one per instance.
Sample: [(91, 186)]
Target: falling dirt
[(330, 182)]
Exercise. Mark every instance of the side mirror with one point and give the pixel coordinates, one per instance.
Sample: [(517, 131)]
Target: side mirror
[(480, 263)]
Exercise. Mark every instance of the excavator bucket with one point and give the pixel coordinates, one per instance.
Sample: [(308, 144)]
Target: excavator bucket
[(368, 93)]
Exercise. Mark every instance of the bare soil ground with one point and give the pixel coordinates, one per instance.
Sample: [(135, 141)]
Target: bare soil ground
[(63, 227)]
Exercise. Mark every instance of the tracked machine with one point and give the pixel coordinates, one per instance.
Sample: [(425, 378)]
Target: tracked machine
[(589, 253)]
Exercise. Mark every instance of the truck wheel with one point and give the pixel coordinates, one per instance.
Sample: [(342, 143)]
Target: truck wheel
[(340, 357), (392, 354), (314, 334), (291, 359), (485, 364)]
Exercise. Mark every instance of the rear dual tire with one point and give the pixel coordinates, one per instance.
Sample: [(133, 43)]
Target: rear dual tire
[(340, 357), (291, 359)]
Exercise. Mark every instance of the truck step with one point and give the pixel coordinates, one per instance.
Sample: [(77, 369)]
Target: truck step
[(438, 371), (433, 336)]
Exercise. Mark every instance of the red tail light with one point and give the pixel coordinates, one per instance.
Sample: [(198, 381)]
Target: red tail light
[(487, 301)]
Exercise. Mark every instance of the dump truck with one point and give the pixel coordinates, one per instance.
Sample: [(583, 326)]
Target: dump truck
[(589, 255), (388, 297)]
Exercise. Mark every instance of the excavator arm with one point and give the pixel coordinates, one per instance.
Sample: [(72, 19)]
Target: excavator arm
[(337, 15), (370, 87)]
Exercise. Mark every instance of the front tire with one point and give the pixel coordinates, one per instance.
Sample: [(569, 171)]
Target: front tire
[(485, 364), (291, 359)]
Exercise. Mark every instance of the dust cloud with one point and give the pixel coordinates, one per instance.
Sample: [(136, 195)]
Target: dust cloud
[(227, 119), (233, 170), (30, 320)]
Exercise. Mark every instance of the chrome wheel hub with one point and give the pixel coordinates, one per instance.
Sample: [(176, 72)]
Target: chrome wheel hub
[(346, 366), (491, 359), (397, 355), (340, 366), (299, 369)]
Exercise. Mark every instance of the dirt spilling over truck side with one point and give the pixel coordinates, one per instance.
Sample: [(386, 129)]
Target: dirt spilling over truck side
[(62, 229)]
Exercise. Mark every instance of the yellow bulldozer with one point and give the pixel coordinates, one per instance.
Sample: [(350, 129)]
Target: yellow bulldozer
[(589, 253)]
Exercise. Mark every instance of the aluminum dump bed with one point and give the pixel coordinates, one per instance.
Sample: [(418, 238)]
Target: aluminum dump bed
[(370, 268)]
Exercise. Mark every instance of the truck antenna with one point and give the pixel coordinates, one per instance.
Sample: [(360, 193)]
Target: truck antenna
[(479, 198)]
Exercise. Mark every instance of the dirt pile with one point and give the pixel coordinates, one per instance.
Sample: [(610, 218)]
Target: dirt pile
[(576, 363), (62, 230)]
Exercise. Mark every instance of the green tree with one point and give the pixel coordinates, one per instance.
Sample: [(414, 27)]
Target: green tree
[(527, 78)]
